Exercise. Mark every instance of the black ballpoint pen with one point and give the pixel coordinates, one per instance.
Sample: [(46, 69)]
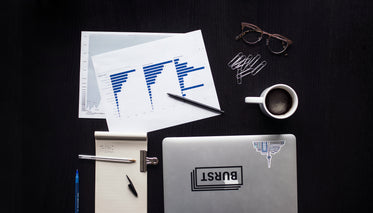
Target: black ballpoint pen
[(195, 103), (131, 187)]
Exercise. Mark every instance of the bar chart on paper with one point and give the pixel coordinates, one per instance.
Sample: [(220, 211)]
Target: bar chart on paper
[(117, 80), (93, 43), (135, 85), (158, 78), (151, 72), (182, 70)]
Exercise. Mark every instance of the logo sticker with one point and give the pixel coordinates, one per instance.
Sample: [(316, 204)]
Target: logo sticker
[(216, 178), (268, 148)]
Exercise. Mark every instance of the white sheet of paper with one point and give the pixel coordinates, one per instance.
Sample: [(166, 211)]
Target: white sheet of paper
[(134, 83), (93, 43), (111, 191)]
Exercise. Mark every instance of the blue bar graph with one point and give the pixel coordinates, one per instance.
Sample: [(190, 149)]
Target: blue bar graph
[(182, 71), (151, 72), (117, 81)]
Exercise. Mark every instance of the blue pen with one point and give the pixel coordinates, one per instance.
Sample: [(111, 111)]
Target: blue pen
[(77, 192)]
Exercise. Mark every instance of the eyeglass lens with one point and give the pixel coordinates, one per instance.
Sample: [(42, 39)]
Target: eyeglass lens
[(276, 45), (251, 35)]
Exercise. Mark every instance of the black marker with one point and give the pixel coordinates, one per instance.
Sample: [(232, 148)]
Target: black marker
[(132, 187)]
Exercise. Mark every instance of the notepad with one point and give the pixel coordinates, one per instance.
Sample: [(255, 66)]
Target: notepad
[(111, 189)]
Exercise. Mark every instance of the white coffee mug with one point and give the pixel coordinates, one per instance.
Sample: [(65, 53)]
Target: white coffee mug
[(278, 101)]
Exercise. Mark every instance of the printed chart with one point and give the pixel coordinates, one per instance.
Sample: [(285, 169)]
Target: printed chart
[(151, 72), (182, 70), (117, 81), (93, 43), (135, 85)]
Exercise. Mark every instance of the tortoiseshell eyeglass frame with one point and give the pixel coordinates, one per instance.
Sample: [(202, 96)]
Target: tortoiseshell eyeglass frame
[(251, 27)]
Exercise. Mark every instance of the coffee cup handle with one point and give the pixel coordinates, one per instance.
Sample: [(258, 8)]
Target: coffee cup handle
[(254, 100)]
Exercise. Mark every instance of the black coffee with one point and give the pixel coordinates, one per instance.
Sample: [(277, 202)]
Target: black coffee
[(278, 101)]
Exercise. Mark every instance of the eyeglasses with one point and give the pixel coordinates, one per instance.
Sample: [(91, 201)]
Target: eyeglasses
[(252, 34)]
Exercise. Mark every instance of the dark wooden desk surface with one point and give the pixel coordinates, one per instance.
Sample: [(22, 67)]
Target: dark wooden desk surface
[(330, 66)]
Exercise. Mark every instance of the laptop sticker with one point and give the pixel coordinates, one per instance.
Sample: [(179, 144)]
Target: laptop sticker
[(216, 178), (268, 148)]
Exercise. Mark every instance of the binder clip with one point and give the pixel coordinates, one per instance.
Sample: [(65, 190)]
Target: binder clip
[(145, 161)]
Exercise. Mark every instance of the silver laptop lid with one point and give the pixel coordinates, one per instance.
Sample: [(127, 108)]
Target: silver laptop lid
[(253, 173)]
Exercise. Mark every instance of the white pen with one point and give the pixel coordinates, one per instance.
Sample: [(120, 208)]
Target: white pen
[(105, 158)]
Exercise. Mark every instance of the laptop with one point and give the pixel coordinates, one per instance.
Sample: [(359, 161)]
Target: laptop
[(220, 174)]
